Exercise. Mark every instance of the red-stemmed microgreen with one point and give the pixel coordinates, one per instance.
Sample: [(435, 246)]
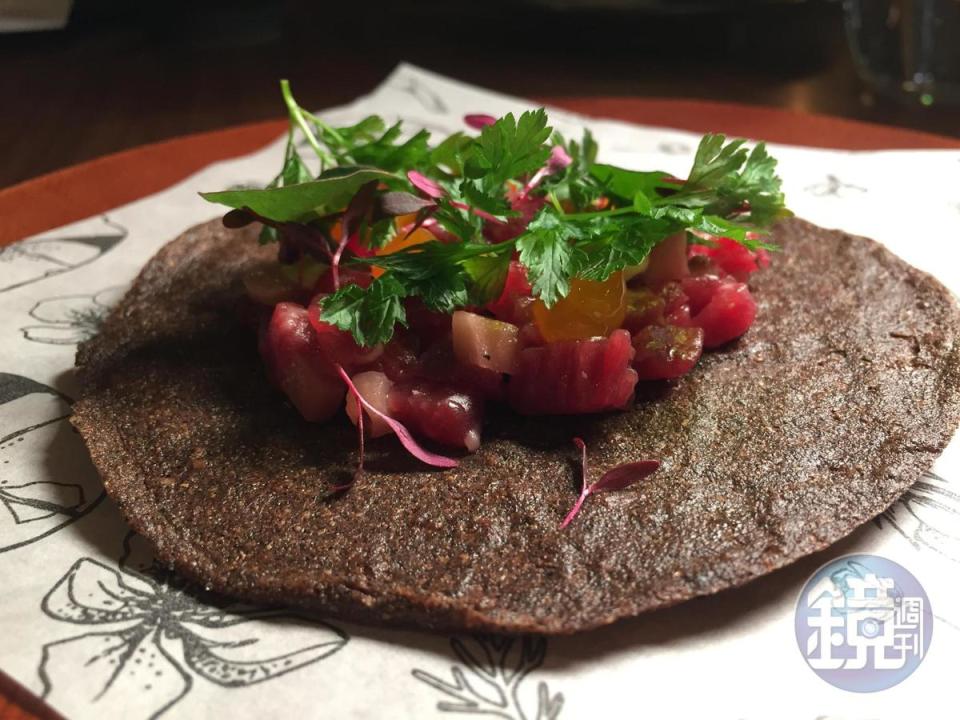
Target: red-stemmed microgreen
[(393, 204), (490, 217), (399, 429), (558, 161), (434, 191), (358, 473), (358, 211), (299, 237), (617, 478)]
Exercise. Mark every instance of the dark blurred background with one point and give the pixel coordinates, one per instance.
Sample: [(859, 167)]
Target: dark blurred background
[(123, 73)]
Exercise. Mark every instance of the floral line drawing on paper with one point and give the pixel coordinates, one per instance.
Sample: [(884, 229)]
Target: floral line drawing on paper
[(70, 319), (430, 100), (675, 147), (30, 261), (38, 499), (147, 636), (927, 515), (489, 678), (832, 186)]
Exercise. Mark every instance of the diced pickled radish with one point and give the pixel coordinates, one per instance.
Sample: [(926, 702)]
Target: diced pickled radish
[(304, 272), (485, 342), (374, 387), (530, 336), (399, 429), (667, 261)]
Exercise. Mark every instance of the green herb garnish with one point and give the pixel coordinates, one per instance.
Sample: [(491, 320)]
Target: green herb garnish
[(589, 220)]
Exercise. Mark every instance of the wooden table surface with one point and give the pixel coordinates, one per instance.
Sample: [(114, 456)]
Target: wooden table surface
[(91, 91)]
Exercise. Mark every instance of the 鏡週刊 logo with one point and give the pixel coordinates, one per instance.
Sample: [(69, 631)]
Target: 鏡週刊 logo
[(863, 623)]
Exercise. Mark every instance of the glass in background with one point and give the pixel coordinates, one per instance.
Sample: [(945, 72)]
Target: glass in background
[(909, 49)]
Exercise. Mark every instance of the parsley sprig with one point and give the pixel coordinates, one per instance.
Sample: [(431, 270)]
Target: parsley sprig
[(593, 219)]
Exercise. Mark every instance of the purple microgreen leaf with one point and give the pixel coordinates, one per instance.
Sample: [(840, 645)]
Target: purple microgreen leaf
[(393, 204), (478, 121), (618, 478), (425, 185), (238, 219), (359, 208), (306, 239), (584, 488), (399, 429), (292, 235), (623, 476)]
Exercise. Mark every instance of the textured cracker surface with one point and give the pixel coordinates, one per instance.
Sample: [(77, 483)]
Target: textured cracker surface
[(843, 392)]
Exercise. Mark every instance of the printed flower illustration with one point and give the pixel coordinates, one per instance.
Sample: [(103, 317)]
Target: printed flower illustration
[(927, 515), (834, 187), (32, 260), (71, 319), (430, 100), (46, 480), (674, 147), (489, 680), (147, 637)]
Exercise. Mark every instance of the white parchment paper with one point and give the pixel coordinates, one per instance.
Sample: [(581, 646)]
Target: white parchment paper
[(88, 621)]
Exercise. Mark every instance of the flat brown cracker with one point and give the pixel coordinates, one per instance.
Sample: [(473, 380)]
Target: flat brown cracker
[(846, 388)]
